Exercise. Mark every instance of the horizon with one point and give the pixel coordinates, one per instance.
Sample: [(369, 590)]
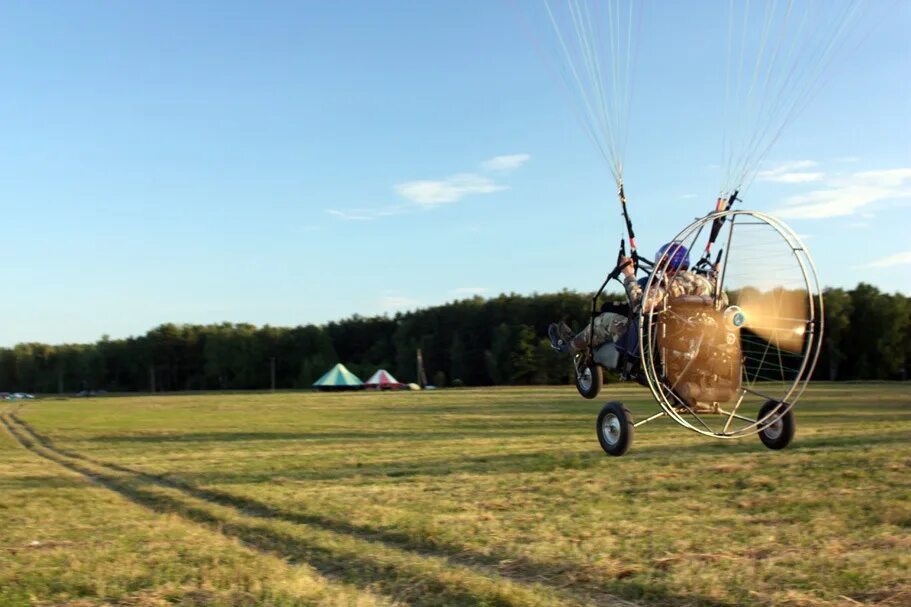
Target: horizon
[(295, 165)]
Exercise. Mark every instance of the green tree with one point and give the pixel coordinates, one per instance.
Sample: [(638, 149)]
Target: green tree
[(551, 367), (499, 356), (473, 342), (458, 357), (522, 360), (838, 310)]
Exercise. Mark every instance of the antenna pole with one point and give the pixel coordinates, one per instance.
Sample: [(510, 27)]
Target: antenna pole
[(422, 376)]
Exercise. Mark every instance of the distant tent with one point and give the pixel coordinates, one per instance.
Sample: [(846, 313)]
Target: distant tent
[(383, 380), (338, 378)]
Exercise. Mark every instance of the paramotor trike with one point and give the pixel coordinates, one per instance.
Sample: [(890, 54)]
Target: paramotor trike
[(724, 365)]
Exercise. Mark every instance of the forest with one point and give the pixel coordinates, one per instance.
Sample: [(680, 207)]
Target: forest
[(470, 342)]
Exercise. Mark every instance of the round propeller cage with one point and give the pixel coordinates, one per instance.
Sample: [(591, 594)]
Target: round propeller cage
[(751, 336)]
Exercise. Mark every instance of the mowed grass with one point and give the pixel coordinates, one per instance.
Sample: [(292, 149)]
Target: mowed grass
[(452, 497)]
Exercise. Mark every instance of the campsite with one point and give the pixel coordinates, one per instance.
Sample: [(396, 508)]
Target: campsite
[(340, 378)]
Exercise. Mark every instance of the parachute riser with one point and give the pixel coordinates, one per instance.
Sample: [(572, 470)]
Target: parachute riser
[(614, 274), (629, 228), (717, 224), (621, 265)]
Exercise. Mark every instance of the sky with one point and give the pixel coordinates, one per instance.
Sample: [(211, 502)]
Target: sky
[(287, 163)]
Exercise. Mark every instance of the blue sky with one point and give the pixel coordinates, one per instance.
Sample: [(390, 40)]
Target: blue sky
[(291, 163)]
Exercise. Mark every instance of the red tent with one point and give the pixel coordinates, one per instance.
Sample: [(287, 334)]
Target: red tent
[(383, 380)]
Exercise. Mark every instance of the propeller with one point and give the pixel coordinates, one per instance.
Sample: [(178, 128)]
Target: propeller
[(778, 316)]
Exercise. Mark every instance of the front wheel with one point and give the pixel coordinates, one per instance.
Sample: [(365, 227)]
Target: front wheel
[(615, 428), (779, 433), (589, 378)]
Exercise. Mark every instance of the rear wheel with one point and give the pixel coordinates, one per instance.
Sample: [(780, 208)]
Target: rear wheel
[(779, 433), (615, 428), (589, 378)]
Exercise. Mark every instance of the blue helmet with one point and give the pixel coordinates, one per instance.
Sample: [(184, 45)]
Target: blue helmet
[(679, 257)]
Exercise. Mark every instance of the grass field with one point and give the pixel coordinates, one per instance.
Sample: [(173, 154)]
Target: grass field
[(458, 497)]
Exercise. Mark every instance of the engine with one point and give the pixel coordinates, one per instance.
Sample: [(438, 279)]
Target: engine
[(700, 350)]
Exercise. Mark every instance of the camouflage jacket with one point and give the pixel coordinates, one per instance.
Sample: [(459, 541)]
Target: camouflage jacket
[(683, 283)]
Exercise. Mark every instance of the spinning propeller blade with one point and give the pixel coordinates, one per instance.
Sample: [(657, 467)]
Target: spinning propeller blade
[(777, 316)]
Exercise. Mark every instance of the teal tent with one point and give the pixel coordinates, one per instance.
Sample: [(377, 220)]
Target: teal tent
[(338, 378)]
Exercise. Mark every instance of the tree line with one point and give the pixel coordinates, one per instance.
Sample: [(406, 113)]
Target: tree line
[(472, 342)]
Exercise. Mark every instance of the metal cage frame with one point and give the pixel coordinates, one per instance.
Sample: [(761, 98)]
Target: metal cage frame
[(671, 404)]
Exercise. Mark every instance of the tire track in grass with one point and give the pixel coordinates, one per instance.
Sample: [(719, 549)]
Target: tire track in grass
[(569, 581), (95, 546), (563, 577), (404, 575)]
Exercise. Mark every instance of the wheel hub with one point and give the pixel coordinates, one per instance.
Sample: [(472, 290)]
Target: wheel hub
[(774, 429), (585, 379), (610, 429)]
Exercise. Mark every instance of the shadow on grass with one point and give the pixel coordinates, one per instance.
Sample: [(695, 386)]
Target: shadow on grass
[(446, 434), (410, 584), (20, 483), (528, 462), (751, 444), (535, 461), (414, 586)]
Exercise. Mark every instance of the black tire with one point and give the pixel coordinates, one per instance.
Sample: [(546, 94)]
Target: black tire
[(780, 433), (615, 428), (589, 382)]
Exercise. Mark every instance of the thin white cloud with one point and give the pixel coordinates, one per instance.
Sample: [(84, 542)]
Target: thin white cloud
[(796, 165), (507, 162), (849, 195), (366, 214), (792, 172), (899, 259), (793, 177), (687, 196), (463, 291), (430, 193), (887, 177), (397, 302), (350, 215)]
